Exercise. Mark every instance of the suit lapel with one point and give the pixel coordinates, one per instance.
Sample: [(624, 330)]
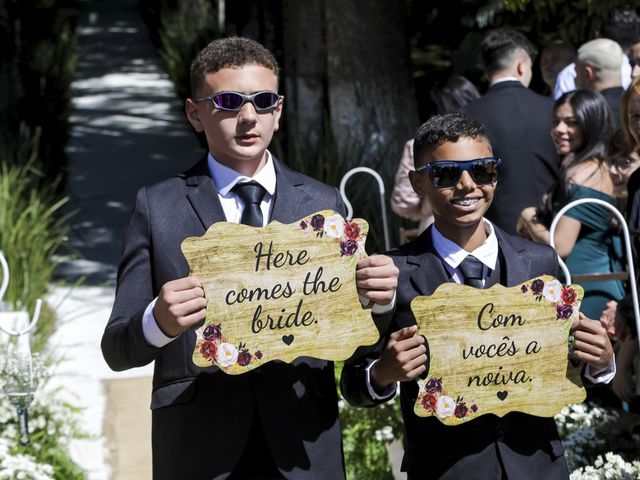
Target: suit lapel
[(202, 195), (290, 195), (518, 267), (427, 271)]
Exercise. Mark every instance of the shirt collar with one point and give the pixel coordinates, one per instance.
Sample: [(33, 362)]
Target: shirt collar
[(225, 178), (453, 254), (504, 79)]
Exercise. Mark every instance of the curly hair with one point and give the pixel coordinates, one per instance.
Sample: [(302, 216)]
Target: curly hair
[(449, 127), (229, 52)]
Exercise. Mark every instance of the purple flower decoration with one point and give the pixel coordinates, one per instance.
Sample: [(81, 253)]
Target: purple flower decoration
[(434, 385), (348, 248), (461, 410), (537, 286), (474, 408), (303, 225), (258, 354), (244, 358), (317, 221), (523, 289), (564, 311), (212, 332)]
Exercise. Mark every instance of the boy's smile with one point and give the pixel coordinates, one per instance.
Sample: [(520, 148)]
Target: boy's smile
[(239, 139), (458, 210)]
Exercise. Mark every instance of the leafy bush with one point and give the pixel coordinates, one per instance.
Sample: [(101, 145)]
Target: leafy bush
[(183, 33), (31, 232)]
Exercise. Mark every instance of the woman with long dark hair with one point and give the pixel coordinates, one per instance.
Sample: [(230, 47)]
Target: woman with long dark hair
[(585, 236)]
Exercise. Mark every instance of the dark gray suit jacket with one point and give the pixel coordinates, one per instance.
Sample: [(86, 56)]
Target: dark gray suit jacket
[(527, 446), (518, 122), (201, 416)]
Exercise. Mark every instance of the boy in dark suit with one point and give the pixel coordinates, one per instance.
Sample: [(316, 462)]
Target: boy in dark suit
[(455, 170), (280, 420)]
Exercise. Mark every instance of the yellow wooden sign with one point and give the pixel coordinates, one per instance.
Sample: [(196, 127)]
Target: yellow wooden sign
[(280, 292), (498, 350)]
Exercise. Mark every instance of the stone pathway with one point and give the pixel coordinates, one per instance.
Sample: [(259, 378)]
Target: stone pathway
[(128, 130)]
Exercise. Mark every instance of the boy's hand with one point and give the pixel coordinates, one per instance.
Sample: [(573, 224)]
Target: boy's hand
[(403, 359), (181, 303), (592, 344), (377, 278)]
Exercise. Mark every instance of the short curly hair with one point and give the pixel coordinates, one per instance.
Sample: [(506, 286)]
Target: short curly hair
[(449, 127), (229, 52)]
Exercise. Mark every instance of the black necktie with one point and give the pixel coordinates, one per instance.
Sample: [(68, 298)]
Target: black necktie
[(251, 194), (471, 268)]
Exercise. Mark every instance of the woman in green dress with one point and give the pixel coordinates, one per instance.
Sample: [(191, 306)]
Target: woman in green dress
[(586, 237)]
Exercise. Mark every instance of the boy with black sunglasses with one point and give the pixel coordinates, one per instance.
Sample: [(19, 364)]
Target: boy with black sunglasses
[(279, 420), (455, 169)]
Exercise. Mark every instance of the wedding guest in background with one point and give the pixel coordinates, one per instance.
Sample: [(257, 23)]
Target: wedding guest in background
[(623, 162), (598, 69), (517, 121), (625, 381), (622, 25), (630, 113), (584, 236), (449, 98), (553, 58)]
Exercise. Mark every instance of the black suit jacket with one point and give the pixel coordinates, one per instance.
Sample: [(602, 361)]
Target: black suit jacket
[(201, 416), (613, 96), (527, 446), (518, 122)]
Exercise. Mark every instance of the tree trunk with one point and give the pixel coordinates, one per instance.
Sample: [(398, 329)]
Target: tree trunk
[(304, 80), (371, 93)]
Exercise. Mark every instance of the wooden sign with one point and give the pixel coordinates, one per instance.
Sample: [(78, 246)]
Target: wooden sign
[(498, 350), (280, 292)]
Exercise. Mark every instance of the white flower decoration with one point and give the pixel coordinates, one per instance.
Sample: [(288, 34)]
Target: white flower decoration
[(445, 407), (227, 355), (334, 226), (552, 291)]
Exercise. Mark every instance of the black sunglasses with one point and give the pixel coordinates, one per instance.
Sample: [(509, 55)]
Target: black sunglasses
[(447, 173), (233, 101)]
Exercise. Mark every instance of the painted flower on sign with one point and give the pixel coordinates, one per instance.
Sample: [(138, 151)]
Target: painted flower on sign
[(434, 399), (208, 349), (212, 332), (349, 236), (537, 286), (334, 226), (434, 385), (227, 355), (445, 406), (564, 311), (429, 401), (569, 296), (244, 358), (552, 291), (352, 230)]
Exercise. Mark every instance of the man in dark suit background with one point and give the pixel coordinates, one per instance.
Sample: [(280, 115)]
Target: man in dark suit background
[(280, 420), (518, 122), (456, 172)]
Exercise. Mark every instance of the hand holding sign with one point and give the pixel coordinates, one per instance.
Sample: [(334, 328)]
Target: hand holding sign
[(501, 350), (284, 291)]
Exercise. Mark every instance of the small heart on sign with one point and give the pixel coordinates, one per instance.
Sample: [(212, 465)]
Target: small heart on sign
[(288, 339), (502, 395)]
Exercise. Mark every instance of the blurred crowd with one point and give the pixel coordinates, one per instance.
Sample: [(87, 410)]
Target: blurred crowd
[(581, 141)]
